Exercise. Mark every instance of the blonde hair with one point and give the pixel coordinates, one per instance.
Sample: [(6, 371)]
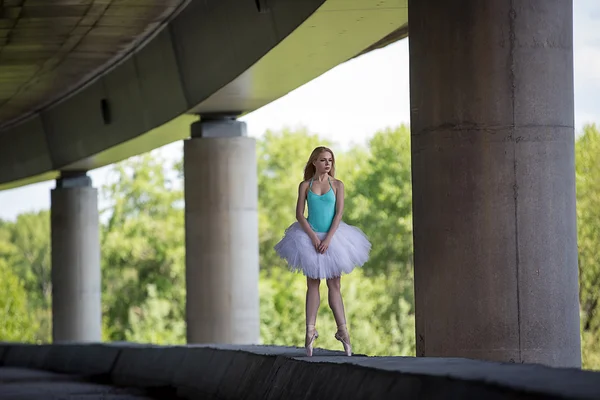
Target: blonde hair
[(310, 170)]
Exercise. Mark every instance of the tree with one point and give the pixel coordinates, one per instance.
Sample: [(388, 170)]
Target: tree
[(587, 152), (154, 322), (380, 201), (25, 247), (17, 324), (142, 252)]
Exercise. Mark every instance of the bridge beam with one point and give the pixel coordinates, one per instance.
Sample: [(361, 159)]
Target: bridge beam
[(221, 222), (76, 275), (495, 234)]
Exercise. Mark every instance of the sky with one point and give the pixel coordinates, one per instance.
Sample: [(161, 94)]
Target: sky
[(349, 103)]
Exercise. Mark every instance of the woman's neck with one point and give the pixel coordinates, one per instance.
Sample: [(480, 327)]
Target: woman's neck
[(321, 177)]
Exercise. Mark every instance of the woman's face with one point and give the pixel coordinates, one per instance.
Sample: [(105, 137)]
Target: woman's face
[(324, 163)]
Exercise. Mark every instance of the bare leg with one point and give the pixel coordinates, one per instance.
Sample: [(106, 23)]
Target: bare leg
[(313, 300), (335, 300), (337, 306)]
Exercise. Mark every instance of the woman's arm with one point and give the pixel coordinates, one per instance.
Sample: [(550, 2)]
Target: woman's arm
[(339, 212), (300, 212)]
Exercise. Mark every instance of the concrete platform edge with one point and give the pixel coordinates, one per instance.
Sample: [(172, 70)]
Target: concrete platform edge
[(268, 372)]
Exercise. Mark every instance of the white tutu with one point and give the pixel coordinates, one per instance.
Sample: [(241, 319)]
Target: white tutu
[(349, 248)]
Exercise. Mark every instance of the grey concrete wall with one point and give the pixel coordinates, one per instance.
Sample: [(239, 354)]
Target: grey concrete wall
[(258, 372), (495, 234)]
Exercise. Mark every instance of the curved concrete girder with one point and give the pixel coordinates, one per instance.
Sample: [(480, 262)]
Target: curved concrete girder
[(50, 48), (212, 57)]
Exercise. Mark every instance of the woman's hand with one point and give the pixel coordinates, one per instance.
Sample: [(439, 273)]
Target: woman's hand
[(324, 245), (316, 242)]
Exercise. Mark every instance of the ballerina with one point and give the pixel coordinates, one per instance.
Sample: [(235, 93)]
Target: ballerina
[(322, 246)]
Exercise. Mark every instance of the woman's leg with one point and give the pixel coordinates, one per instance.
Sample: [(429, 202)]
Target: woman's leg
[(335, 301), (313, 300), (337, 306)]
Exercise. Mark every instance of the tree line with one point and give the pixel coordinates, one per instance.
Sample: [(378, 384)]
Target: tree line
[(143, 254)]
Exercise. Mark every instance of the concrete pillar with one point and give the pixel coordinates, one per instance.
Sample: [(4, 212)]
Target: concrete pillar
[(221, 223), (494, 181), (76, 275)]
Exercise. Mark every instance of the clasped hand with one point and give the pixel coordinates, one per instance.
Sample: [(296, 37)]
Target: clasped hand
[(321, 246)]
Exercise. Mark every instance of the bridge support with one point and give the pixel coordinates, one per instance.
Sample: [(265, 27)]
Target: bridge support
[(76, 275), (221, 220), (493, 180)]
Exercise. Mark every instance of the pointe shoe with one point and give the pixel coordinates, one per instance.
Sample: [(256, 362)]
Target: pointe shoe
[(311, 335), (343, 336)]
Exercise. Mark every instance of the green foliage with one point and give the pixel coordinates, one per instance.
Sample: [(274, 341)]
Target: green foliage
[(17, 324), (154, 321), (380, 201), (587, 154), (142, 253), (25, 247)]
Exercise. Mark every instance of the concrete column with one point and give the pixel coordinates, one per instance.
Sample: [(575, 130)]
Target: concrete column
[(494, 181), (221, 222), (76, 275)]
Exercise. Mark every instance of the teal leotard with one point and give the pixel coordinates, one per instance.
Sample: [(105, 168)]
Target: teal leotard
[(321, 209)]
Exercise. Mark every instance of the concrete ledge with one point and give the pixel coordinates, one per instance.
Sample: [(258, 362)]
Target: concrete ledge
[(148, 366), (14, 375), (25, 384), (88, 360), (25, 355), (262, 372)]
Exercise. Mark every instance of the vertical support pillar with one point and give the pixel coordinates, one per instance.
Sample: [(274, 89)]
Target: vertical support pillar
[(494, 181), (221, 222), (76, 275)]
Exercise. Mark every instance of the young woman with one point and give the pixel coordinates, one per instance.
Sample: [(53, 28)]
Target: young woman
[(322, 246)]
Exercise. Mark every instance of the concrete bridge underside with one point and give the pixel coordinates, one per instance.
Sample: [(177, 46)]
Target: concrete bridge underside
[(84, 84)]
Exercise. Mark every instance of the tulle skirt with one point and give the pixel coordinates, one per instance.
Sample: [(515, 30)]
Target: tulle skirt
[(349, 248)]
